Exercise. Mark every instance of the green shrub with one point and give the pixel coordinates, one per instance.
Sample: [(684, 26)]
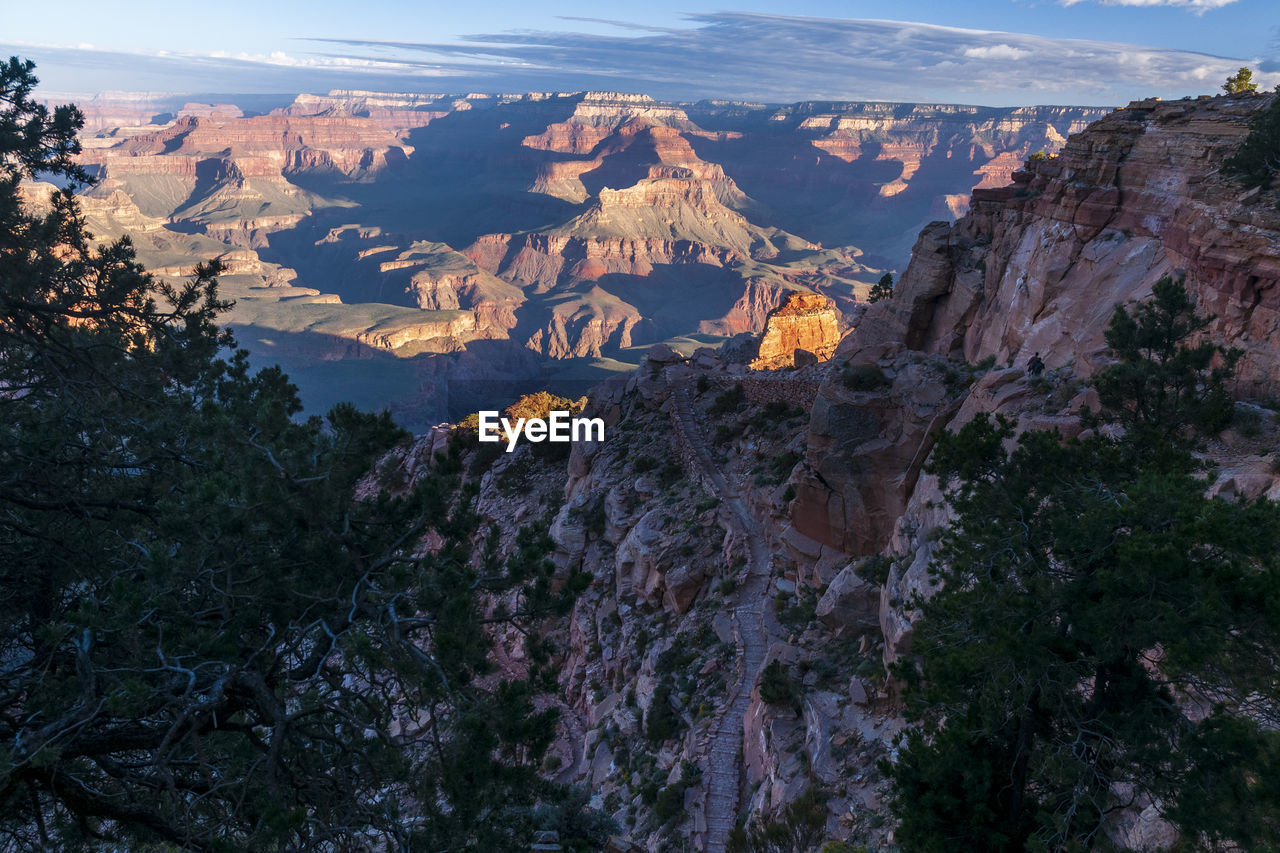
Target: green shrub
[(729, 401), (1258, 158), (783, 463), (844, 846), (882, 289), (1247, 422), (875, 569), (800, 613), (670, 801), (985, 364), (662, 722), (1240, 83), (681, 654), (775, 685), (644, 463), (800, 827)]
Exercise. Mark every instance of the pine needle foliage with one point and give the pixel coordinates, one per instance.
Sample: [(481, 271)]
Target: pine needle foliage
[(215, 634), (1106, 634)]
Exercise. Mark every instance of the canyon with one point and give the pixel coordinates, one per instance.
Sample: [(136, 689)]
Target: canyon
[(431, 252), (757, 521), (759, 516)]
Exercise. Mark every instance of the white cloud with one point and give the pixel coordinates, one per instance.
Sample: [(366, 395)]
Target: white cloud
[(996, 51), (758, 57), (1198, 6), (783, 58)]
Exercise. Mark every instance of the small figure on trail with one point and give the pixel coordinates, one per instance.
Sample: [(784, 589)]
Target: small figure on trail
[(1035, 366)]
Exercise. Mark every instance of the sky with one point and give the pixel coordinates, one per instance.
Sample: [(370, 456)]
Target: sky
[(993, 52)]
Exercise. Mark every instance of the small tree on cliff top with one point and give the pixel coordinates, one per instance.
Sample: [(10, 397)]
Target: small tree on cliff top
[(1240, 83), (1105, 635)]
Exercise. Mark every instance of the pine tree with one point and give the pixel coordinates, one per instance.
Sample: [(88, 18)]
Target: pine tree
[(1257, 160), (883, 289), (1240, 83), (1105, 632)]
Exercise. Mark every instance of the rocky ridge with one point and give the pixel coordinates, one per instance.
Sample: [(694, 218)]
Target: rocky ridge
[(829, 462)]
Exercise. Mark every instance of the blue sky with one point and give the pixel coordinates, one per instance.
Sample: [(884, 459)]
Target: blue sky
[(979, 51)]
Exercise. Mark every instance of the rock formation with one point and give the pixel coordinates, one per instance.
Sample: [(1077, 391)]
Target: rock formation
[(581, 225), (1041, 264), (689, 607), (804, 323)]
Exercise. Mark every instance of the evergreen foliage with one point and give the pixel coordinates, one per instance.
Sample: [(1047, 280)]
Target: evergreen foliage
[(1240, 83), (207, 640), (882, 289), (1257, 160), (1163, 389), (800, 828), (1106, 635), (775, 685)]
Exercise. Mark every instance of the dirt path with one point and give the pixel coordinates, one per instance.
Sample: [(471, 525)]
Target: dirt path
[(723, 781)]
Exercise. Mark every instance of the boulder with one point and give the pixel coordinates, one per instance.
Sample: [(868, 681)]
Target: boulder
[(850, 604), (663, 354)]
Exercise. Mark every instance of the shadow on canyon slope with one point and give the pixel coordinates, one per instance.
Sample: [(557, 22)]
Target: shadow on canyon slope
[(468, 175), (419, 391)]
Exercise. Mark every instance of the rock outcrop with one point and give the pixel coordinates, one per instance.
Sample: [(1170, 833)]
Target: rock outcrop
[(1039, 266), (804, 323), (597, 115)]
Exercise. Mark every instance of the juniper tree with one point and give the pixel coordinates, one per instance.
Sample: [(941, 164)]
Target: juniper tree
[(1257, 160), (1240, 83), (1106, 634)]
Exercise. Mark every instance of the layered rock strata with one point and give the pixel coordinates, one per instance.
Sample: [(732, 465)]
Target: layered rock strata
[(804, 328)]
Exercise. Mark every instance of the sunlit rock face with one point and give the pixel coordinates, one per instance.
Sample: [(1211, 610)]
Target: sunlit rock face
[(804, 323)]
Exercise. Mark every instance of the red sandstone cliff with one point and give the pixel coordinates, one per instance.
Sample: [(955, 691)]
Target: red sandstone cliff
[(1040, 266)]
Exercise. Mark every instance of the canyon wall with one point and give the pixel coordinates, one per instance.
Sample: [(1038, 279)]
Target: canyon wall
[(581, 227), (756, 525), (1039, 266)]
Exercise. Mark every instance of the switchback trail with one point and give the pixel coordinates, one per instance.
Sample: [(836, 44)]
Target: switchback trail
[(723, 782)]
